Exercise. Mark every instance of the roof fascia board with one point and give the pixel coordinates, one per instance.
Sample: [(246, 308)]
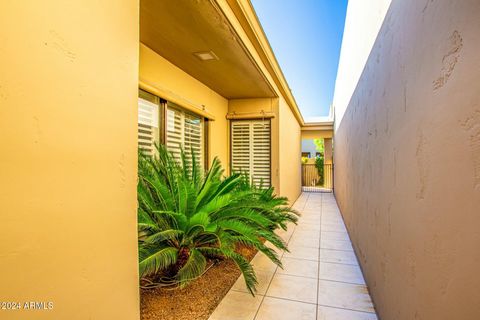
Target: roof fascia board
[(242, 16)]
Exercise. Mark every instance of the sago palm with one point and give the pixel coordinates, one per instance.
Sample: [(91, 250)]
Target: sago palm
[(186, 215)]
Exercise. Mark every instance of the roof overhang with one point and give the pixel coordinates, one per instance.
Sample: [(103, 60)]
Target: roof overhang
[(318, 126), (246, 66), (184, 31)]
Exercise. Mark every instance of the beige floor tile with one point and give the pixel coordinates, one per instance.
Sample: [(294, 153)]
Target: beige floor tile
[(262, 263), (308, 226), (336, 245), (279, 309), (338, 256), (309, 220), (299, 267), (328, 313), (308, 233), (344, 295), (341, 272), (331, 235), (332, 217), (331, 214), (304, 241), (263, 278), (300, 252), (293, 288), (333, 227), (237, 306), (290, 293)]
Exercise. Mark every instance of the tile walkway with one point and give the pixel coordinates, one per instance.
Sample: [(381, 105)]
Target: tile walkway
[(320, 279)]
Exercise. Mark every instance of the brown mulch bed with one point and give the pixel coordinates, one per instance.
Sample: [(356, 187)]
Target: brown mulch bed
[(198, 300)]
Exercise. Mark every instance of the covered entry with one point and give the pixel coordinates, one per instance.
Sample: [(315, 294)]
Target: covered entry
[(317, 157)]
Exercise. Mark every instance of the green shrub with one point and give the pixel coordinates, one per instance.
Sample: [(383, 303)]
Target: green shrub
[(186, 215), (319, 163)]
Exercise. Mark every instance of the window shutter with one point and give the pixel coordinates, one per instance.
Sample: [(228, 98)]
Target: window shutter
[(184, 130), (261, 153), (148, 119), (194, 136), (241, 146), (251, 150)]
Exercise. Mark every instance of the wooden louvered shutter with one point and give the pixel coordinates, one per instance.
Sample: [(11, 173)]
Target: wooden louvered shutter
[(261, 153), (241, 147), (184, 130), (148, 123), (251, 150), (174, 134), (193, 136)]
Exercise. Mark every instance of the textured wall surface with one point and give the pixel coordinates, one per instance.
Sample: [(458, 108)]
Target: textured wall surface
[(289, 153), (363, 21), (407, 156), (68, 141)]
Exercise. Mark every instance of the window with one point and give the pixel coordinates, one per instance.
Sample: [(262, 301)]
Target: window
[(148, 121), (185, 130), (251, 149), (306, 155), (160, 121)]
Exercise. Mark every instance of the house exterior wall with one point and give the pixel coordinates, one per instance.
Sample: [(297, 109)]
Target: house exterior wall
[(407, 159), (68, 128), (289, 137), (164, 76)]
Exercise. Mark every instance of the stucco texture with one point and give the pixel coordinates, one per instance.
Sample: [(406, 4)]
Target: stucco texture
[(407, 162), (290, 150), (68, 123)]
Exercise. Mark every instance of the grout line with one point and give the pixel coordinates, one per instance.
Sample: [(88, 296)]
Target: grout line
[(347, 264), (319, 305), (335, 249), (348, 309), (339, 281), (319, 253), (293, 300), (323, 261)]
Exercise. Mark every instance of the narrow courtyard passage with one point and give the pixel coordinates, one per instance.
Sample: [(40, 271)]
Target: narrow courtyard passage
[(321, 279)]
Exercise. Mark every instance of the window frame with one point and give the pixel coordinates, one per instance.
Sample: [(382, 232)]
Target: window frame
[(163, 105)]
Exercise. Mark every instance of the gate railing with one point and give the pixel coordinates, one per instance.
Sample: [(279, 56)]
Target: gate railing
[(313, 180)]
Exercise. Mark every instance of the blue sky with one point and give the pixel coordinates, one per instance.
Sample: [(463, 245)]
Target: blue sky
[(306, 36)]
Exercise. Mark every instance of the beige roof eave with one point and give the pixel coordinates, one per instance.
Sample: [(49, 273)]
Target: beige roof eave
[(244, 20)]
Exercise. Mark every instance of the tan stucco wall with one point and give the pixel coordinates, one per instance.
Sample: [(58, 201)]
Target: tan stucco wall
[(68, 122), (290, 149), (407, 160), (160, 73)]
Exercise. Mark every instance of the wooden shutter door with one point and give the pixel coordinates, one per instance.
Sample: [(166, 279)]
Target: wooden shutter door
[(251, 150)]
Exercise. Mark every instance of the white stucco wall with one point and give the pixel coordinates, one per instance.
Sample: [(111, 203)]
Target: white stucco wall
[(363, 21)]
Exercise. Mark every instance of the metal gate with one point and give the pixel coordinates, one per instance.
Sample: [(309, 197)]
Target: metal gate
[(314, 180)]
